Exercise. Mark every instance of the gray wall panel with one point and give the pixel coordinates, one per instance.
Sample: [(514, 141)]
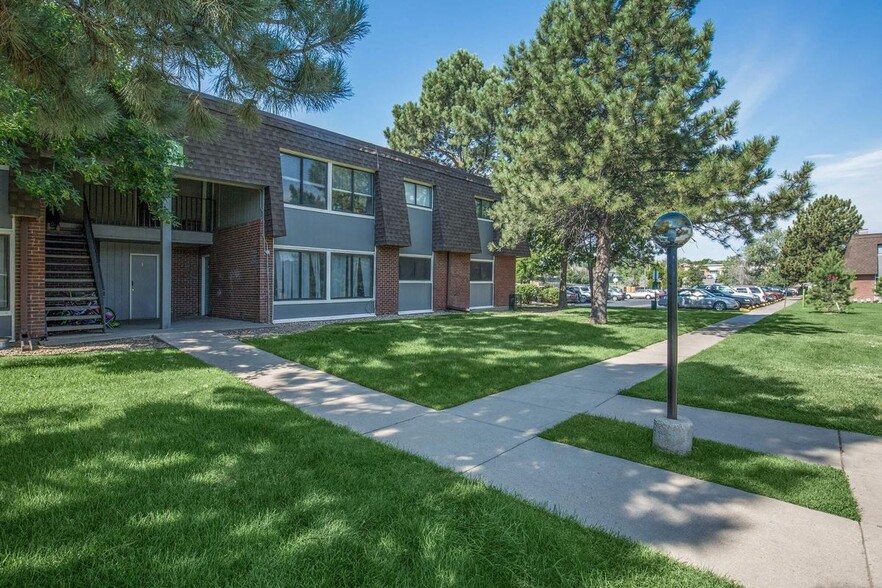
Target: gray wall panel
[(420, 232), (5, 218), (323, 230), (236, 206), (480, 295), (114, 258), (485, 229), (414, 297), (321, 309), (6, 327)]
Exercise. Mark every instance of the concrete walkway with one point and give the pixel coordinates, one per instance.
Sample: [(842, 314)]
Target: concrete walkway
[(755, 540)]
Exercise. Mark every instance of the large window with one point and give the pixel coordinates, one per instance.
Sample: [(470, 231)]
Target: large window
[(353, 191), (4, 272), (418, 195), (414, 269), (305, 181), (482, 207), (481, 271), (352, 276), (300, 275)]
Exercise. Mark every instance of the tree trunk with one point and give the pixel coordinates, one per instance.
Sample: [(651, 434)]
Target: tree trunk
[(562, 293), (601, 273)]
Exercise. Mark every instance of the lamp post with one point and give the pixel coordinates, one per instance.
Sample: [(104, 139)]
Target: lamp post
[(672, 434)]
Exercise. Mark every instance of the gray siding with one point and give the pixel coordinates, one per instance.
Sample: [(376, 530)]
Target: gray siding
[(420, 232), (237, 206), (414, 297), (6, 327), (5, 218), (114, 259), (324, 230), (321, 309), (480, 295), (485, 230)]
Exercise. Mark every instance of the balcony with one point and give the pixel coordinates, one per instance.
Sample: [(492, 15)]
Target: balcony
[(114, 208)]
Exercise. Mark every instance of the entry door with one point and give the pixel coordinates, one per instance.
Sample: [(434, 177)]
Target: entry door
[(144, 295), (204, 270)]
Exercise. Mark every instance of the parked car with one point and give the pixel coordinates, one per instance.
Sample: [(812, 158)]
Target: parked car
[(586, 292), (792, 291), (577, 296), (698, 298), (643, 293), (744, 300), (753, 291), (614, 293)]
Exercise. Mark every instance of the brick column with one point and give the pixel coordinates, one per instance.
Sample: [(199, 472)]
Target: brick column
[(241, 273), (387, 280), (458, 282), (503, 279), (30, 275), (439, 281)]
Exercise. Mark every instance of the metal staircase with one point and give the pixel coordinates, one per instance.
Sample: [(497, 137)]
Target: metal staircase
[(72, 301)]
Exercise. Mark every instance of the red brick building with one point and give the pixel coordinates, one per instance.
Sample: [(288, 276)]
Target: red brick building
[(864, 257), (286, 223)]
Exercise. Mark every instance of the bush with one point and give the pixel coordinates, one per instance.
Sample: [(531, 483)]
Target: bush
[(549, 294), (878, 288), (528, 293)]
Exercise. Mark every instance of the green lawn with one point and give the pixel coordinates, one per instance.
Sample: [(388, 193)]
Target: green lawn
[(444, 361), (818, 487), (796, 365), (150, 468)]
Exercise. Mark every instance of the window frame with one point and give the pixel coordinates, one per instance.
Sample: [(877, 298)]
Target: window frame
[(327, 256), (417, 186), (329, 185), (492, 263), (417, 256), (324, 273), (486, 204), (351, 192), (6, 234), (373, 274)]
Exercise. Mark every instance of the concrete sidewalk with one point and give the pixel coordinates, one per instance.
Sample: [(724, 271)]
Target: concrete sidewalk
[(755, 540)]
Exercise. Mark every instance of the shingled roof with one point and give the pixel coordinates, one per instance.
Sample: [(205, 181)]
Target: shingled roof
[(862, 253)]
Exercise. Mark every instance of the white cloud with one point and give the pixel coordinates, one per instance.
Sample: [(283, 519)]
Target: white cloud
[(863, 164), (858, 177)]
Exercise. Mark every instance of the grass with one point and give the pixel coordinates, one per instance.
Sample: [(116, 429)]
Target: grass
[(150, 468), (814, 486), (444, 361), (797, 365)]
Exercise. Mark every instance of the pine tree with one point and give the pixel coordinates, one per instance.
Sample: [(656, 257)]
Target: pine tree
[(454, 121), (608, 124), (104, 86), (831, 283), (825, 224)]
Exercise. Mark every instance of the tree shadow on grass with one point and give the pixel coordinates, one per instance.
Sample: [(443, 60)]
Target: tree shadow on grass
[(231, 487)]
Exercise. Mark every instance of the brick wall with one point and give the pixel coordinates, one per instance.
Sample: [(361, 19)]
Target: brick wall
[(240, 279), (30, 281), (863, 287), (503, 279), (451, 281), (439, 281), (185, 281), (387, 280)]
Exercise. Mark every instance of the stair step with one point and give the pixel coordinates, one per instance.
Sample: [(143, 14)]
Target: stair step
[(64, 250), (72, 289), (74, 318), (65, 256), (67, 272), (67, 328), (71, 280), (71, 308), (71, 299)]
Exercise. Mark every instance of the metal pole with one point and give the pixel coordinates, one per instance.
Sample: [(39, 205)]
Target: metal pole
[(672, 332)]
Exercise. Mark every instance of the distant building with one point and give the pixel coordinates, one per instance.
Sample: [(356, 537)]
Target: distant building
[(864, 257)]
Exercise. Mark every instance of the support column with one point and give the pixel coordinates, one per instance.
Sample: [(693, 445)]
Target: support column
[(165, 271)]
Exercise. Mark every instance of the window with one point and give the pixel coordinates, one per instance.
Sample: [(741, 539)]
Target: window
[(353, 191), (300, 275), (482, 207), (4, 272), (304, 181), (415, 269), (482, 271), (352, 276), (418, 195)]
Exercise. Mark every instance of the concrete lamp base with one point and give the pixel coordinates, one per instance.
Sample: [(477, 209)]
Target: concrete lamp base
[(672, 436)]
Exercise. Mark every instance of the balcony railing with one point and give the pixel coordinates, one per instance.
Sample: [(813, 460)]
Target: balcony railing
[(111, 207)]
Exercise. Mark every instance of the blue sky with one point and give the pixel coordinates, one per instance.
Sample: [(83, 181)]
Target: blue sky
[(809, 71)]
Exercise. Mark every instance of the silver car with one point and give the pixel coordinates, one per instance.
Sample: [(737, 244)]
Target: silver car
[(695, 298)]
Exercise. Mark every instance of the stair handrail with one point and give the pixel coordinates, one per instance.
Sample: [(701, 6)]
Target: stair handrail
[(93, 257)]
